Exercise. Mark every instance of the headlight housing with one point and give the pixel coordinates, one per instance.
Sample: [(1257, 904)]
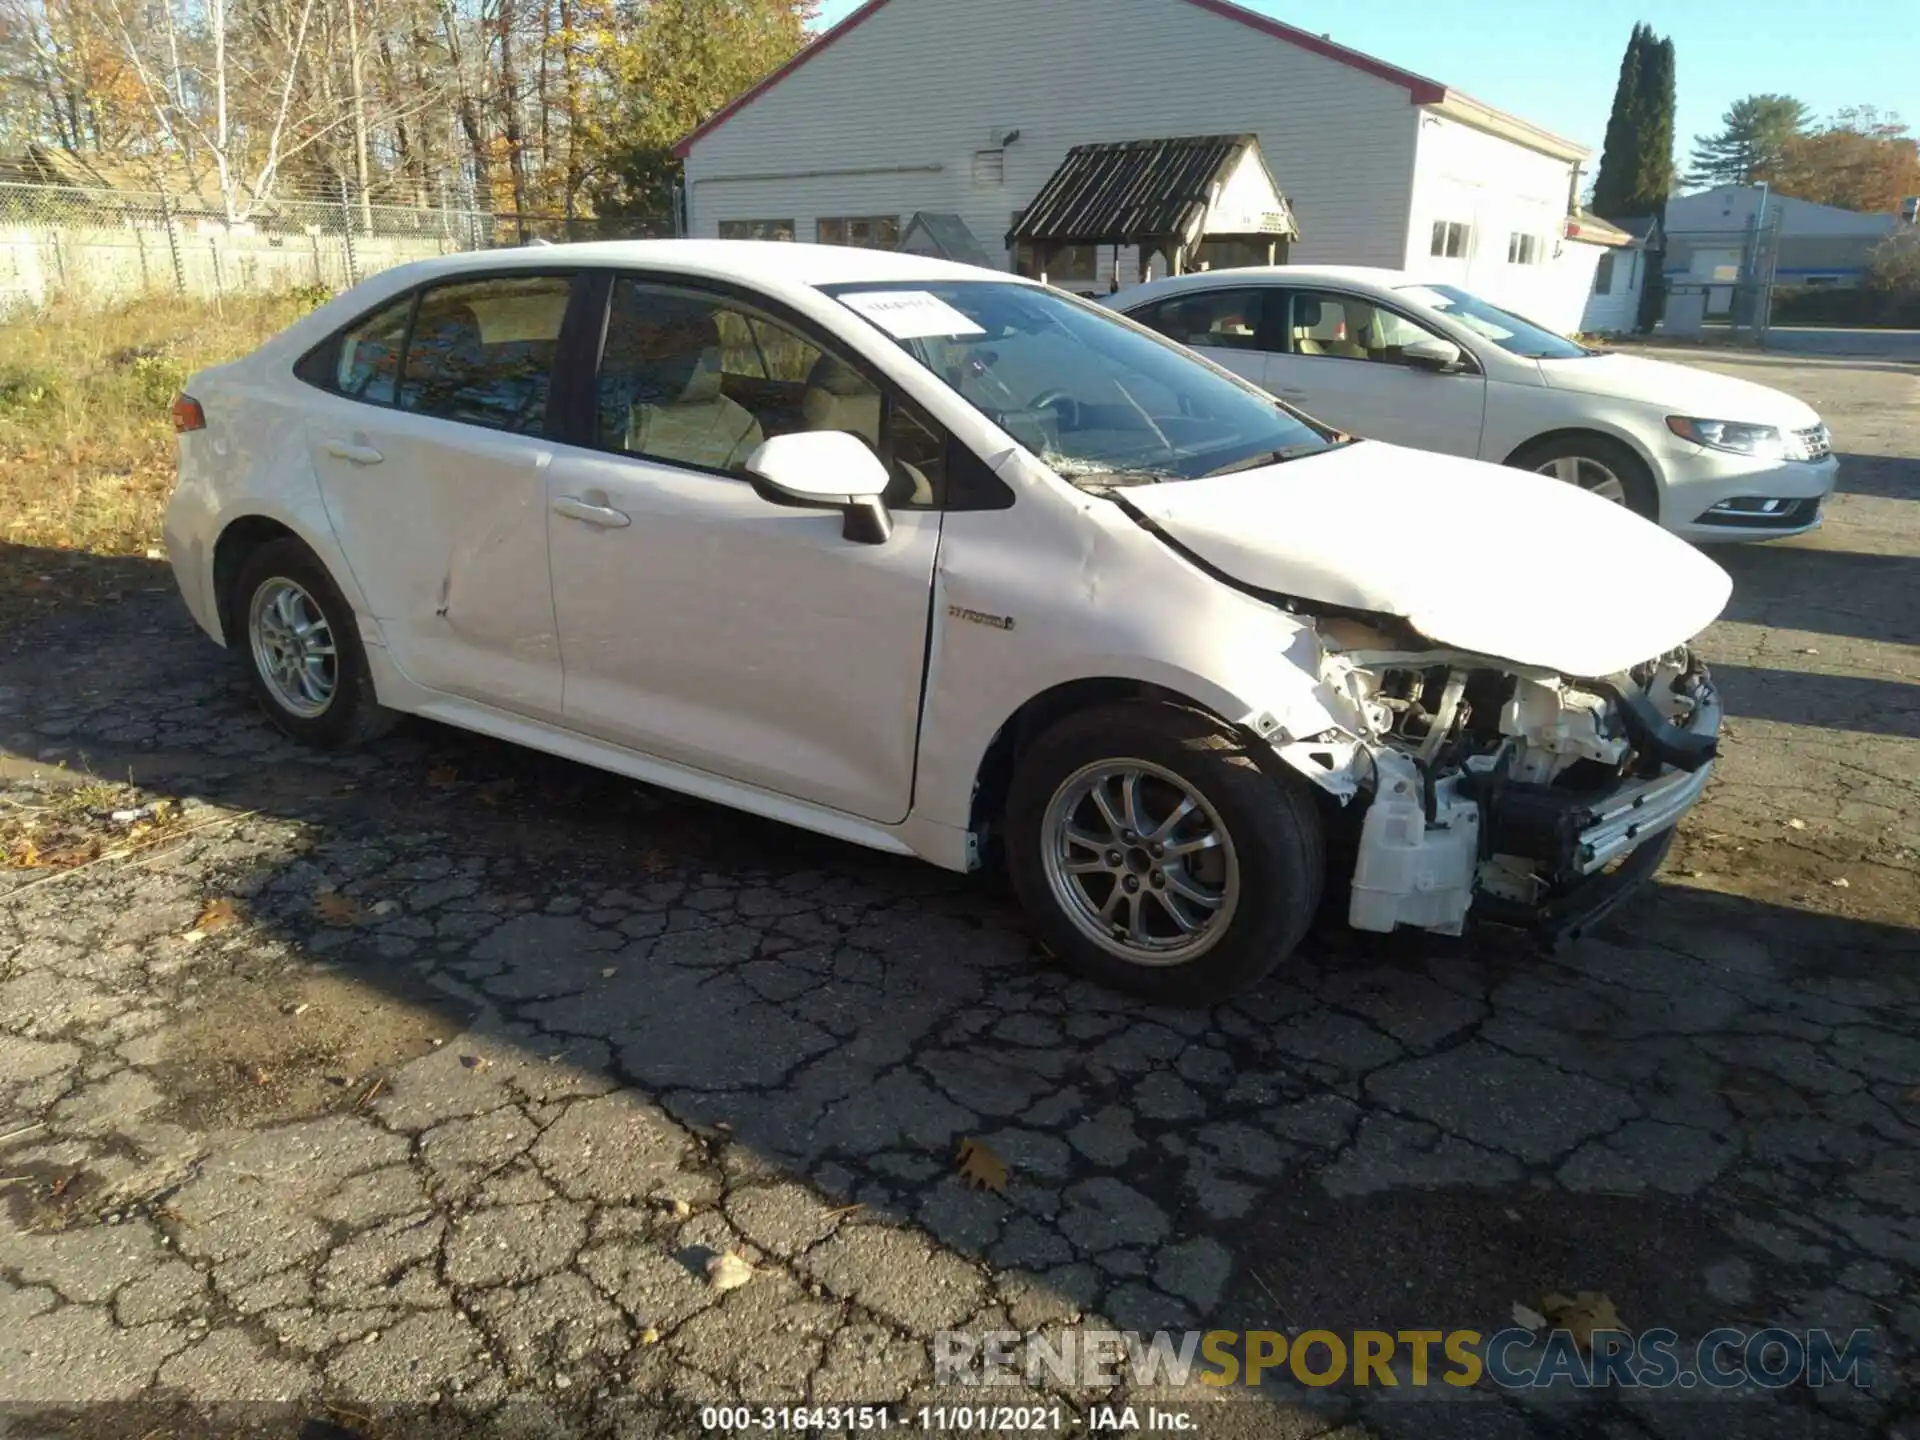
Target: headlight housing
[(1764, 442)]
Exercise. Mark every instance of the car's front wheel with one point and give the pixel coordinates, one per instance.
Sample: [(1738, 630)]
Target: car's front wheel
[(1155, 855), (1598, 464), (302, 649)]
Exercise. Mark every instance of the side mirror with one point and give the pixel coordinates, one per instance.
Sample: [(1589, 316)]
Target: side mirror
[(826, 470), (1440, 356)]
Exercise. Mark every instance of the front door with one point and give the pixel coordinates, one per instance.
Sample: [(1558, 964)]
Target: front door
[(704, 626), (431, 454), (1344, 365)]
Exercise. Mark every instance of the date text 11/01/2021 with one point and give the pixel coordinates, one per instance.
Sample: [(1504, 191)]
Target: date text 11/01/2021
[(939, 1419)]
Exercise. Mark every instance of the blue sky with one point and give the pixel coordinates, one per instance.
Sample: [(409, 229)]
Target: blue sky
[(1556, 64)]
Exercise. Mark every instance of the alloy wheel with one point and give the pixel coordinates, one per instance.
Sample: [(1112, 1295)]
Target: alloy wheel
[(293, 648)]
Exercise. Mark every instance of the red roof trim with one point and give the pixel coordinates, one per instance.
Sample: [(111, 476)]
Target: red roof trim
[(1420, 90), (746, 97)]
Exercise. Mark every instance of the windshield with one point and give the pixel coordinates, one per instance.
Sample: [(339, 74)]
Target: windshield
[(1502, 327), (1097, 397)]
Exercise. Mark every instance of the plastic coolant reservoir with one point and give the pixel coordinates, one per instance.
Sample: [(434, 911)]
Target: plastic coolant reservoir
[(1410, 874)]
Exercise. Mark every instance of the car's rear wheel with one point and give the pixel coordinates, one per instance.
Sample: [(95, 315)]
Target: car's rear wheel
[(1155, 855), (1598, 464), (302, 649)]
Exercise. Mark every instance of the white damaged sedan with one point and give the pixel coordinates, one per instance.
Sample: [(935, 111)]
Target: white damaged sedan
[(946, 563)]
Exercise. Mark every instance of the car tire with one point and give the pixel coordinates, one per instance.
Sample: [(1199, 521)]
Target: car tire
[(1258, 884), (283, 615), (1595, 458)]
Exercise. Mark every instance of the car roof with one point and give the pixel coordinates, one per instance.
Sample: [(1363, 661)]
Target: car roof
[(1353, 276), (769, 264)]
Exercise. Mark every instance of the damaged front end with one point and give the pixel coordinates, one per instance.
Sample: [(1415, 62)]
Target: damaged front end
[(1529, 798)]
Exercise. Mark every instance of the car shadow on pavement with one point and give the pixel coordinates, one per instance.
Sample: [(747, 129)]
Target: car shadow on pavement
[(1827, 592), (1891, 477), (601, 1033), (1832, 702)]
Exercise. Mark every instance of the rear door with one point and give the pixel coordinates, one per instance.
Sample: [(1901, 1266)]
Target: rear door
[(1238, 327), (430, 444), (1344, 364)]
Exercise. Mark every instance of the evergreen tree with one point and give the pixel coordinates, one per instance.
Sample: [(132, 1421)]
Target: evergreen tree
[(1618, 160), (1754, 135)]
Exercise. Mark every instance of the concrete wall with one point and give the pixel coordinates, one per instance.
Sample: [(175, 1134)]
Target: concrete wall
[(99, 265)]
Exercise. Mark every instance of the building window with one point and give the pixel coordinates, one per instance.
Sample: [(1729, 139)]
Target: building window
[(756, 230), (1603, 275), (1451, 238), (1523, 249), (869, 232), (989, 167)]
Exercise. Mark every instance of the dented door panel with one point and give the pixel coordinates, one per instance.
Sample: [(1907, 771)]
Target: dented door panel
[(444, 526)]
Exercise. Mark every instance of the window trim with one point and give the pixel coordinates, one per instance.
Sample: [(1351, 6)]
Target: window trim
[(1445, 228), (1469, 362), (589, 353), (844, 220), (327, 351), (791, 225)]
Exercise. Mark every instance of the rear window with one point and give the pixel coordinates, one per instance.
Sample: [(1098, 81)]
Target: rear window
[(480, 352)]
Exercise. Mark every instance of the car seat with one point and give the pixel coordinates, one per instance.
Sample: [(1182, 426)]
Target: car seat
[(838, 397), (669, 383)]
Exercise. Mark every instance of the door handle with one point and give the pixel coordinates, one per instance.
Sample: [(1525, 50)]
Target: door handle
[(354, 454), (604, 516)]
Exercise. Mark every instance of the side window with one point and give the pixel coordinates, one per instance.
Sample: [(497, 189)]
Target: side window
[(1348, 327), (482, 351), (1219, 319), (693, 378), (368, 363)]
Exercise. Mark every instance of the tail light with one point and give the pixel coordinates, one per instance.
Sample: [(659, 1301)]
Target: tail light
[(187, 414)]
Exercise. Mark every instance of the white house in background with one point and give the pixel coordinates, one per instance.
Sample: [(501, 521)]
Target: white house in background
[(935, 106), (1613, 305), (1820, 245)]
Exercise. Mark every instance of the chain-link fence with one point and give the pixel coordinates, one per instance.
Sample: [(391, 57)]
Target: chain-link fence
[(101, 245)]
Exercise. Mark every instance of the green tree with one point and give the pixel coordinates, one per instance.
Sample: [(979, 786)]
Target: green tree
[(1636, 166), (680, 65), (1754, 134)]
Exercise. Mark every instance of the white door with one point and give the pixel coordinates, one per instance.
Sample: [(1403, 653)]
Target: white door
[(701, 624), (434, 479), (1236, 327), (1345, 365)]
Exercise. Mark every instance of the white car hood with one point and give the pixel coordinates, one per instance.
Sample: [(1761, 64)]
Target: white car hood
[(1679, 389), (1500, 562)]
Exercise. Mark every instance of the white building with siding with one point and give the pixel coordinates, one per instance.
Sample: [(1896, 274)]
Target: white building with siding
[(968, 109)]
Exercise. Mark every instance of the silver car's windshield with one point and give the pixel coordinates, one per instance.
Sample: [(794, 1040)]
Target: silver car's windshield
[(1102, 400), (1509, 331)]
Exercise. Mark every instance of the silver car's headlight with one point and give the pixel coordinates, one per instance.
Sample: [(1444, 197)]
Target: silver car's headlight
[(1765, 442)]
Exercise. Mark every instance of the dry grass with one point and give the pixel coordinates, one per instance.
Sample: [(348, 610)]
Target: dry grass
[(86, 447)]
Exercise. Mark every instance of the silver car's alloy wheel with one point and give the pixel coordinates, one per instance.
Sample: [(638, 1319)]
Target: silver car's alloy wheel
[(1140, 862), (293, 648), (1588, 474)]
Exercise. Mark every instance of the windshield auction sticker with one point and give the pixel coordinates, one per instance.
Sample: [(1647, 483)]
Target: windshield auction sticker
[(911, 314)]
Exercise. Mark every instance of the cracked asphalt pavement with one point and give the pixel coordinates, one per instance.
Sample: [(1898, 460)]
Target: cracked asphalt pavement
[(436, 1130)]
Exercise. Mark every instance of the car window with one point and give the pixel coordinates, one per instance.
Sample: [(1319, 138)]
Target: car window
[(1222, 319), (1351, 327), (696, 378), (368, 363), (1512, 333), (1098, 397), (482, 351)]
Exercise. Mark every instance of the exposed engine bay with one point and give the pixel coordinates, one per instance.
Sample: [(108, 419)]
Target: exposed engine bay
[(1509, 787)]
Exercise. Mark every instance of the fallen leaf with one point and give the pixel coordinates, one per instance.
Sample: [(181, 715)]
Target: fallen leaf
[(1581, 1314), (442, 775), (728, 1272), (649, 1336), (1796, 824), (217, 916), (1528, 1319), (1842, 883), (336, 909), (607, 972), (981, 1168), (476, 1062), (27, 857)]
